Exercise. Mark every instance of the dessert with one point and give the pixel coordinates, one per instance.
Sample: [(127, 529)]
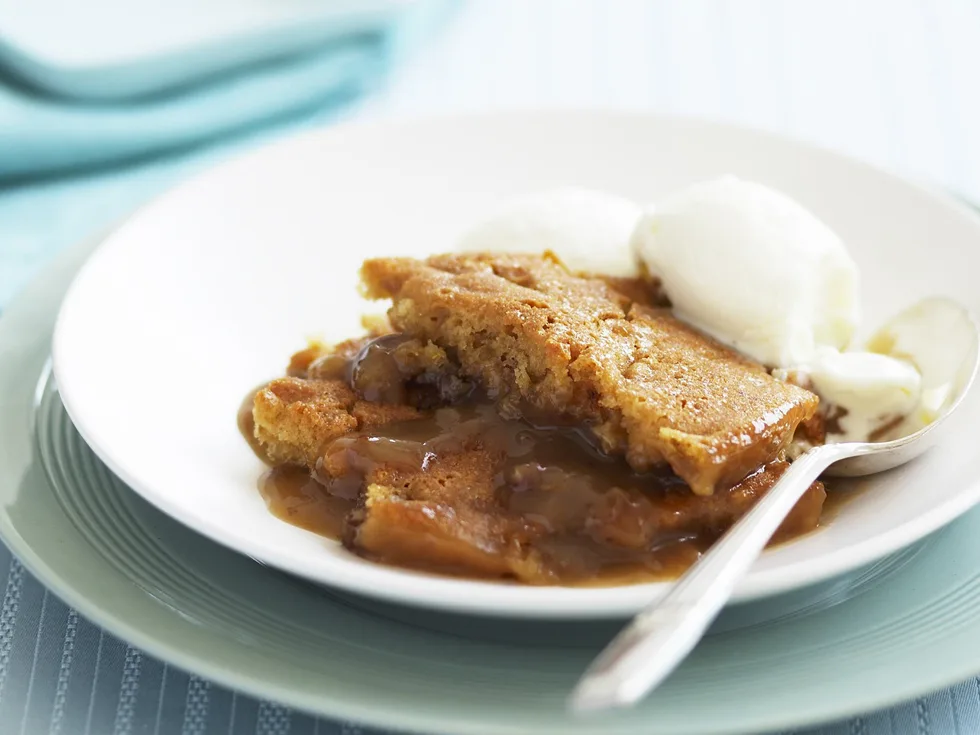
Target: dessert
[(560, 431), (458, 489), (587, 393), (567, 348)]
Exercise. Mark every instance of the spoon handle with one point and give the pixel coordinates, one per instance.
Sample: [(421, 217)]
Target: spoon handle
[(661, 636)]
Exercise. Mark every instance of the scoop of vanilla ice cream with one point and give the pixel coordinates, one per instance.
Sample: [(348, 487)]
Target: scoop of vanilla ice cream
[(588, 230), (873, 390), (753, 268)]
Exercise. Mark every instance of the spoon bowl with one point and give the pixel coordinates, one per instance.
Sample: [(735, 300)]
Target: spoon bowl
[(909, 444)]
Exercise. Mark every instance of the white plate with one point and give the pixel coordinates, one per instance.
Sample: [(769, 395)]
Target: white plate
[(204, 293)]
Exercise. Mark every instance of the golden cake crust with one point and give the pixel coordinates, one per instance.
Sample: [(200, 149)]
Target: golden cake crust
[(295, 418), (547, 344)]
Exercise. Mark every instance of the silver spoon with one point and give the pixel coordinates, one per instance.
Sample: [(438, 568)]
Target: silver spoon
[(659, 638)]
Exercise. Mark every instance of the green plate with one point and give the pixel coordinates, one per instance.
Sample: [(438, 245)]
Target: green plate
[(903, 627)]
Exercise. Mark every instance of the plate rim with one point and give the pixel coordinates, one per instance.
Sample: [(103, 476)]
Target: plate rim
[(569, 603)]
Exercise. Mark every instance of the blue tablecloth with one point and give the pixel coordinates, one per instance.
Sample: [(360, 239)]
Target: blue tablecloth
[(892, 81)]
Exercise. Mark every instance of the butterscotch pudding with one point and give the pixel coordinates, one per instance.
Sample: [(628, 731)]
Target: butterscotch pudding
[(573, 349), (521, 422)]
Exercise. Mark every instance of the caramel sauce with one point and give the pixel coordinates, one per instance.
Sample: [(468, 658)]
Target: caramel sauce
[(294, 496), (592, 519), (551, 478), (841, 491)]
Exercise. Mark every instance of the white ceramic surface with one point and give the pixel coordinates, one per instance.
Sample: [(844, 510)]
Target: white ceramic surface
[(204, 293)]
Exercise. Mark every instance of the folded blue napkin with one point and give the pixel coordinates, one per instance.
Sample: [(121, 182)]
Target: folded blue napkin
[(43, 131)]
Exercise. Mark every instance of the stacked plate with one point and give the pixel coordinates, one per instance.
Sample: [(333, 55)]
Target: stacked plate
[(128, 490)]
